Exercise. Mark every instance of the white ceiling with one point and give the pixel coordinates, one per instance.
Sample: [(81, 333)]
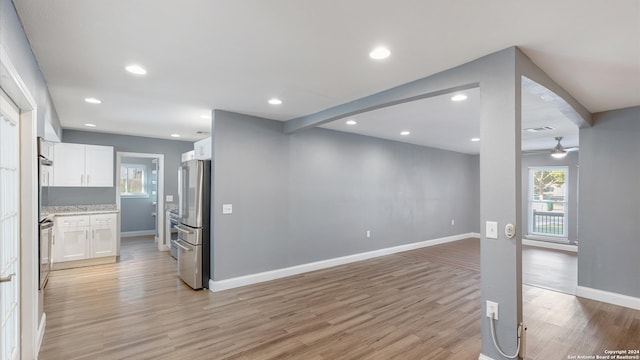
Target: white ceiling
[(236, 54), (441, 123)]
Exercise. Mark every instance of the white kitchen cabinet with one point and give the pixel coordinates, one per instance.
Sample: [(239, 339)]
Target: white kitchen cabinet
[(70, 240), (84, 237), (68, 168), (46, 171), (103, 235), (99, 165), (79, 165), (202, 149)]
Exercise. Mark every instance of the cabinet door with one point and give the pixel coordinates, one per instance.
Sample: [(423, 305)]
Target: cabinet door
[(46, 176), (203, 149), (71, 240), (99, 166), (68, 169), (103, 235)]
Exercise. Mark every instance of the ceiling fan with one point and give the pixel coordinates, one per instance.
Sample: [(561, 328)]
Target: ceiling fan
[(557, 151), (560, 151)]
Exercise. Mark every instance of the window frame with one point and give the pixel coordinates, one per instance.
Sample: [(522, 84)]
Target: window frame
[(530, 201), (145, 173)]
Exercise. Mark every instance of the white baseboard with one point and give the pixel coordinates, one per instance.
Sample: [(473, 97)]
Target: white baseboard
[(484, 357), (41, 328), (608, 297), (239, 281), (550, 245), (137, 233)]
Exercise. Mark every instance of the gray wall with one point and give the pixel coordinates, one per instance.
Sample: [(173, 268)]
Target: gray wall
[(311, 196), (499, 77), (136, 212), (14, 40), (172, 150), (539, 160), (610, 203)]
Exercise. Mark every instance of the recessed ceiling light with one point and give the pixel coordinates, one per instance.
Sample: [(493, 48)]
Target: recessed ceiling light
[(275, 101), (90, 125), (92, 100), (136, 69), (351, 122), (459, 97), (405, 133), (175, 135), (205, 116), (380, 53), (475, 139)]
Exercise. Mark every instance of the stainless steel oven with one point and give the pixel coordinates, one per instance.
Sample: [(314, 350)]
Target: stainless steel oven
[(46, 239)]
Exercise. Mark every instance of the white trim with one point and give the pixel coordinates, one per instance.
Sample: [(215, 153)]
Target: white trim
[(126, 234), (548, 245), (29, 207), (608, 297), (43, 325), (484, 357), (239, 281)]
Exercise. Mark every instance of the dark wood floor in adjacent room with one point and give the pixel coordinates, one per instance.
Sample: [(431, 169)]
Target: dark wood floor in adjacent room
[(421, 304)]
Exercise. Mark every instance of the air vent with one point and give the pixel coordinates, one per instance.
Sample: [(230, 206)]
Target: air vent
[(538, 129)]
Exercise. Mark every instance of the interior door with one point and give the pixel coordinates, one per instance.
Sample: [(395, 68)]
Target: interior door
[(9, 229)]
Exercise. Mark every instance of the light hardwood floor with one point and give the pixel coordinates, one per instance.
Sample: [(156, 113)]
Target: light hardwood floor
[(550, 269), (421, 304)]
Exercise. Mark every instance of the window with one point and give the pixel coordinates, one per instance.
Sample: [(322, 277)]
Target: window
[(132, 180), (548, 201)]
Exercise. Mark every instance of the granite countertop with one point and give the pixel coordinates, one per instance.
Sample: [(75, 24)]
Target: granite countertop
[(68, 210)]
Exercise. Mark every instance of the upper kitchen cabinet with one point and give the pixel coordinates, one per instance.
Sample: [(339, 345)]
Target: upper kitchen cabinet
[(202, 149), (99, 165), (82, 165)]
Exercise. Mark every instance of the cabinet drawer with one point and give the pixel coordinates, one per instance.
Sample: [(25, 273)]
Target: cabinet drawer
[(103, 220), (72, 221)]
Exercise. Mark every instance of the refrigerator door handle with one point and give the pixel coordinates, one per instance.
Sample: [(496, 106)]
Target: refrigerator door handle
[(183, 230), (180, 245)]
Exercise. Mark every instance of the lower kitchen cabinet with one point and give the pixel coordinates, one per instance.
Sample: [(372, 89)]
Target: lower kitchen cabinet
[(103, 235), (84, 237), (70, 241)]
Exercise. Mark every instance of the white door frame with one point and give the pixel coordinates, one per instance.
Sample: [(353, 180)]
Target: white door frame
[(160, 196), (31, 329)]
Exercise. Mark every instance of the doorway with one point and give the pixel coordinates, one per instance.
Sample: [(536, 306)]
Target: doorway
[(140, 196)]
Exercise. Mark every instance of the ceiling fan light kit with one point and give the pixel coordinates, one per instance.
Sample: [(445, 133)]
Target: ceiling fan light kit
[(558, 152)]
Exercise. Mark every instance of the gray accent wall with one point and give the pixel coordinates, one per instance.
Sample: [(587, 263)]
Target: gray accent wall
[(14, 40), (136, 212), (543, 160), (609, 211), (312, 195), (499, 77)]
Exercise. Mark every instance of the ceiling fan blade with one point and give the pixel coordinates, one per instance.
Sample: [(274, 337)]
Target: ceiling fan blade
[(572, 149)]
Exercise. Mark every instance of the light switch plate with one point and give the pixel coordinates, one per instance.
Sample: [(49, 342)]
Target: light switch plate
[(492, 230), (169, 198), (227, 209)]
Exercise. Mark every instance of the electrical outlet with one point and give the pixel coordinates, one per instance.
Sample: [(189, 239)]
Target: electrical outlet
[(227, 209), (492, 307), (368, 233)]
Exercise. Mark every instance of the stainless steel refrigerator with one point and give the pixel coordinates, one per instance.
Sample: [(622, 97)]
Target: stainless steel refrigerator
[(194, 233)]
